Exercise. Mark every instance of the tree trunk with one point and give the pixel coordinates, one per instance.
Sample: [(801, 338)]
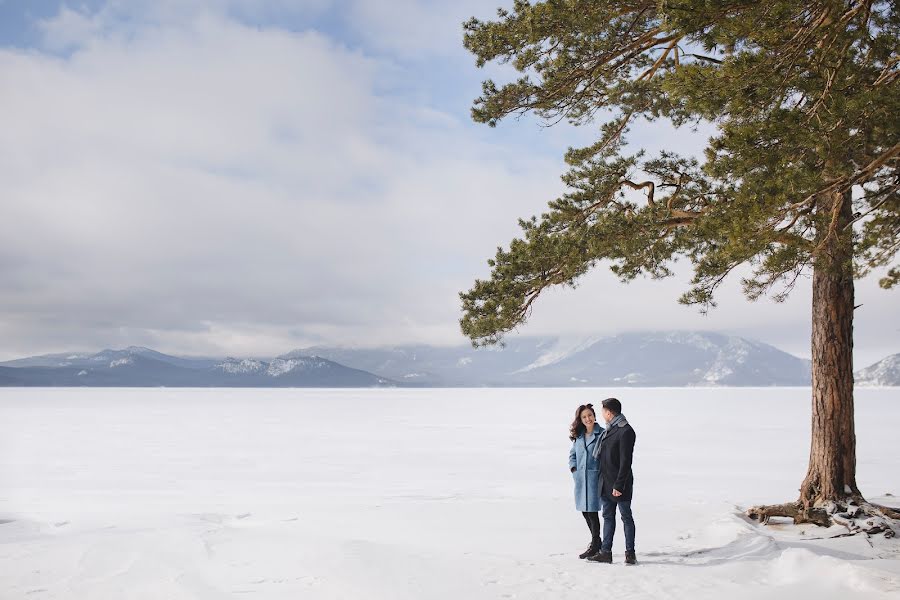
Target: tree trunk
[(831, 477), (829, 494)]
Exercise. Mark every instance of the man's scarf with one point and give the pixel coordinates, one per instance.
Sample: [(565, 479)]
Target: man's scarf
[(618, 421)]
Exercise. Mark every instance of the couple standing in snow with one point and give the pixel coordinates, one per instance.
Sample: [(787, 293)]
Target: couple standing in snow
[(600, 462)]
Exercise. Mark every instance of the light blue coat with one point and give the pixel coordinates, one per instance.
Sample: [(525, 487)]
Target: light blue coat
[(586, 473)]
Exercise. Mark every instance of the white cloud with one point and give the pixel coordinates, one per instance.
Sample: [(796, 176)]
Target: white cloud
[(68, 29), (191, 183)]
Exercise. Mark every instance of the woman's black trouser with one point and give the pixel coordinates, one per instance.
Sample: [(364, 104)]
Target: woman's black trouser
[(593, 523)]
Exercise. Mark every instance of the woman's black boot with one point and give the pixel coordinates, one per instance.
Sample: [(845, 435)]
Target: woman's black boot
[(592, 549)]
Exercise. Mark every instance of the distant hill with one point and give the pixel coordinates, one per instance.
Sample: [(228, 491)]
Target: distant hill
[(142, 367), (885, 372)]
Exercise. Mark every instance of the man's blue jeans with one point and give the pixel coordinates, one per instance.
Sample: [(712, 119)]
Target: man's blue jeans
[(609, 522)]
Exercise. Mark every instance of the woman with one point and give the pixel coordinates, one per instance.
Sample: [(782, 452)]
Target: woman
[(585, 435)]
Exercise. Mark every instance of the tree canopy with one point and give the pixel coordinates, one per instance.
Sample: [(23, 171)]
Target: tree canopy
[(805, 100)]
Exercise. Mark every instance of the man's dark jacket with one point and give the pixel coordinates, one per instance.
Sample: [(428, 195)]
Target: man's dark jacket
[(616, 451)]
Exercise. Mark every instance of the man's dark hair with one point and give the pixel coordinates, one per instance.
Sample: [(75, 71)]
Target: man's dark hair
[(613, 406)]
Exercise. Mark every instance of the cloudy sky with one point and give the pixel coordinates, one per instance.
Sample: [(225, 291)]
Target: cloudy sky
[(250, 176)]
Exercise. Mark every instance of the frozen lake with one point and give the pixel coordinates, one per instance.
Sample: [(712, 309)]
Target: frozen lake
[(437, 493)]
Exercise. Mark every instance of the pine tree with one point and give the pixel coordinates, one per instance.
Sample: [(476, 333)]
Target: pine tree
[(802, 175)]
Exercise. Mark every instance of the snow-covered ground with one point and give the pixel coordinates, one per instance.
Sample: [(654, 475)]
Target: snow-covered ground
[(419, 494)]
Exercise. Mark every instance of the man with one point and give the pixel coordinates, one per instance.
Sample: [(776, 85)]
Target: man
[(616, 480)]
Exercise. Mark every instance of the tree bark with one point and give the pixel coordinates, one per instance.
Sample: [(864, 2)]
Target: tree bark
[(831, 478)]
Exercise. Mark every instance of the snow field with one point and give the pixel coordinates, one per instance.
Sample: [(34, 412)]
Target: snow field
[(394, 494)]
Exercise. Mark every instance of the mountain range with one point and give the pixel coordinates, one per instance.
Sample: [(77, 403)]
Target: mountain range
[(631, 359), (143, 367)]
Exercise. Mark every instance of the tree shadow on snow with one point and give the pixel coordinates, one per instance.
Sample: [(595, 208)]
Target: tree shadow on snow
[(753, 544)]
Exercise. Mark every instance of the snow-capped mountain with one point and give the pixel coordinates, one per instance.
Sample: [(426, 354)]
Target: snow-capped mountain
[(885, 372), (675, 359), (89, 359)]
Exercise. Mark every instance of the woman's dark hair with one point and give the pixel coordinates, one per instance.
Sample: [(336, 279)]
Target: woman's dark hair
[(613, 406), (577, 427)]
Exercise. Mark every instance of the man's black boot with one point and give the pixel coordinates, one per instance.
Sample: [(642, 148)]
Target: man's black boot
[(630, 558), (601, 557)]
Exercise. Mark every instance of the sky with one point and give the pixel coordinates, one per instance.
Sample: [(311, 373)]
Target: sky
[(247, 177)]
